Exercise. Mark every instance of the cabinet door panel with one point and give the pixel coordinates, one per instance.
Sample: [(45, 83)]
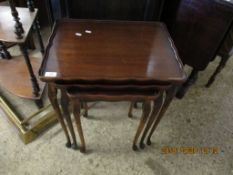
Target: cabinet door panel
[(198, 29), (115, 9)]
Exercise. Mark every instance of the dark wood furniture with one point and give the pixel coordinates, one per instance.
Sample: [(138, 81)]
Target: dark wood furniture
[(118, 10), (44, 13), (225, 52), (20, 84), (140, 10), (79, 94), (4, 52), (110, 55), (198, 28), (15, 29), (29, 43)]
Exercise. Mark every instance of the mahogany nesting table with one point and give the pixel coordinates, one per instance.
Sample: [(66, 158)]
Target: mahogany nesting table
[(112, 61)]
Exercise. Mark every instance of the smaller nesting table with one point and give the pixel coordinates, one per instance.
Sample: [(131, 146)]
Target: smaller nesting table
[(112, 61)]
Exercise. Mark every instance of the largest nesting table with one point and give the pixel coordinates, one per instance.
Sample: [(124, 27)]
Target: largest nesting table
[(106, 56)]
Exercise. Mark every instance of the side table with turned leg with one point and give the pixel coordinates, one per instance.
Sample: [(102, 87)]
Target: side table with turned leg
[(16, 29)]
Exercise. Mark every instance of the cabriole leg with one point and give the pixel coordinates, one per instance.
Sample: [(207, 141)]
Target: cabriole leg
[(145, 114), (76, 106), (156, 108), (170, 93), (52, 94), (66, 113)]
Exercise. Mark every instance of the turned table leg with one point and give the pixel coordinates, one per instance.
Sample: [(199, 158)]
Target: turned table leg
[(52, 94), (76, 106), (144, 117), (39, 103), (35, 85), (31, 6), (18, 25), (4, 52), (170, 93), (66, 113), (37, 28), (157, 104)]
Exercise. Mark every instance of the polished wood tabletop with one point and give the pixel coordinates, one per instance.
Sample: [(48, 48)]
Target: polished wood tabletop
[(111, 50), (7, 23)]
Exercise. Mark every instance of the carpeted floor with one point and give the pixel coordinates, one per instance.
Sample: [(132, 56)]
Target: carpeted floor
[(203, 119)]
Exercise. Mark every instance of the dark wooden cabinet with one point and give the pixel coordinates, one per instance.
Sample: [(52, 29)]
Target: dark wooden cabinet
[(139, 10), (114, 9), (198, 29)]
